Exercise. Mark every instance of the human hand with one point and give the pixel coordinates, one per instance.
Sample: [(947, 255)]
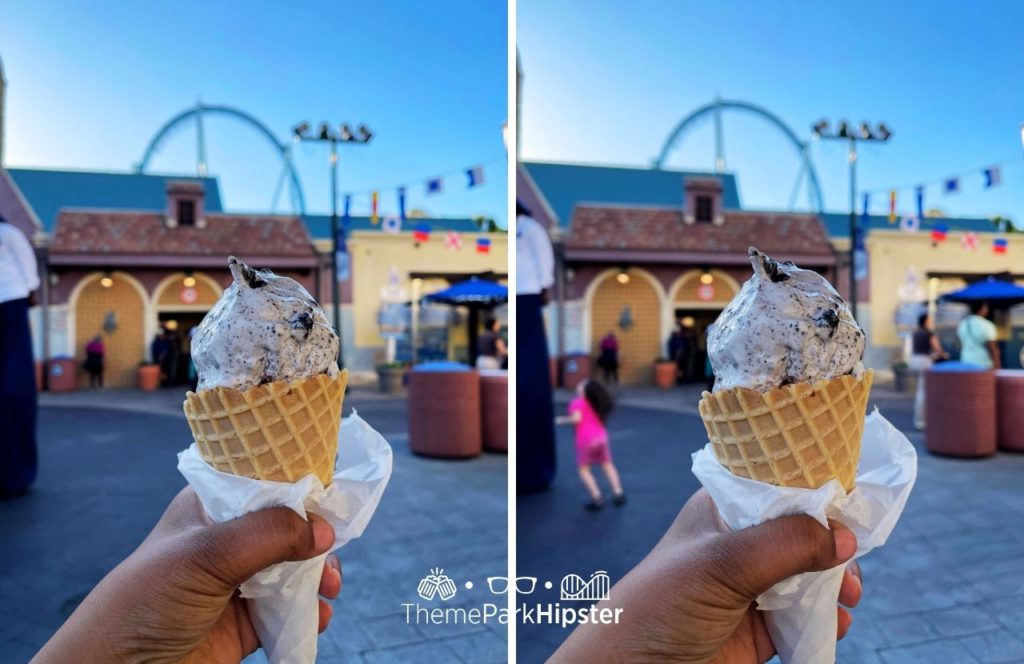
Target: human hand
[(175, 598), (691, 599)]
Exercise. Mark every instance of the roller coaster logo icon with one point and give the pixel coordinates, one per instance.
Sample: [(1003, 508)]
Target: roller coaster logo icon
[(575, 588)]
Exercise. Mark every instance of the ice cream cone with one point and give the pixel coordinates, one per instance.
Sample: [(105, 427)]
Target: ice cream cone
[(799, 435), (279, 431)]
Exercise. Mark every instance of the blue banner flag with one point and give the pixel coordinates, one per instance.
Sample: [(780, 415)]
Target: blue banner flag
[(434, 186), (475, 176), (993, 176), (401, 203), (920, 203), (951, 186)]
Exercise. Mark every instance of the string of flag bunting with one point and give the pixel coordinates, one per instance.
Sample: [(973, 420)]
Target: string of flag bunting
[(475, 177), (991, 176)]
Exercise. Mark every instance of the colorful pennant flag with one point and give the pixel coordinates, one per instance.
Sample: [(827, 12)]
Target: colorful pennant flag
[(342, 259), (892, 206), (453, 241), (993, 176), (951, 186), (920, 204), (483, 245), (969, 241), (910, 224), (401, 203), (392, 225), (374, 219), (999, 245), (346, 216), (435, 185), (939, 232), (421, 233), (864, 218), (475, 176)]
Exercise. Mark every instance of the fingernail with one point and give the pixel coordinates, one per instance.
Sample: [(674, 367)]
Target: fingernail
[(323, 534), (846, 542)]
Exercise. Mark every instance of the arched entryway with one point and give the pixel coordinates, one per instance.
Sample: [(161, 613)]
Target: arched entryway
[(630, 304), (696, 298), (181, 301), (114, 307)]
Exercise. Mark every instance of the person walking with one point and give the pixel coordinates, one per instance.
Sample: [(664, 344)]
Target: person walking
[(95, 351), (589, 411), (608, 359), (926, 350), (977, 337), (159, 351), (535, 412), (19, 278), (677, 344), (491, 349)]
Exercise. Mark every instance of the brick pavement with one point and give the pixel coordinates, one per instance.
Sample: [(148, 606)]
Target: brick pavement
[(947, 587), (101, 452)]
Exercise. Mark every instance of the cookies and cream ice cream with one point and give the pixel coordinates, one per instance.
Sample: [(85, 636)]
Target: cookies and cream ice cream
[(787, 325), (264, 328)]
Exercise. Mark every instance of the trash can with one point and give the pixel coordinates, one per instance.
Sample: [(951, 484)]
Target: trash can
[(960, 410), (575, 369), (1009, 406), (444, 410), (62, 374), (494, 410)]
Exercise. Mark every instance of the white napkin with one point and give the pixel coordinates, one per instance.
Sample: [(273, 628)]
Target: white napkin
[(800, 612), (283, 602)]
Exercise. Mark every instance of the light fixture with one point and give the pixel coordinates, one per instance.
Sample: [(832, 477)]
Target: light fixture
[(622, 277), (301, 130), (106, 282), (687, 321), (865, 131), (365, 134), (189, 282), (325, 131), (346, 132), (171, 324), (819, 127), (883, 131), (706, 278), (843, 130)]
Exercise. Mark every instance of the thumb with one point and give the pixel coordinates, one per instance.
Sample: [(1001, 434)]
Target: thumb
[(235, 550), (755, 559)]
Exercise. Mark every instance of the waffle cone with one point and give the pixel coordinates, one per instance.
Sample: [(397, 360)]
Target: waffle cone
[(280, 431), (800, 435)]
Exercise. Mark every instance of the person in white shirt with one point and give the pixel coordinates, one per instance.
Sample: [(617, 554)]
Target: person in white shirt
[(978, 338), (535, 437), (19, 277)]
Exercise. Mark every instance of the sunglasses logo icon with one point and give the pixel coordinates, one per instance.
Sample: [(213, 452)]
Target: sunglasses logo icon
[(524, 585)]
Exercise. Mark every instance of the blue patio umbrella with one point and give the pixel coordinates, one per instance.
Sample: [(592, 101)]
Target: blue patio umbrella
[(991, 290), (475, 294)]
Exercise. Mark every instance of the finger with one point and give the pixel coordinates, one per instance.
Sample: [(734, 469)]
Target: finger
[(326, 611), (850, 590), (235, 550), (843, 622), (752, 560), (330, 583)]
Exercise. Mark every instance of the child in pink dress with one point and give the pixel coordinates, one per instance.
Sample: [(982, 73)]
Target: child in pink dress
[(589, 412)]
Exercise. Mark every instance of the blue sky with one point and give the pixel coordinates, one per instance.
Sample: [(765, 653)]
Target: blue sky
[(89, 84), (607, 81)]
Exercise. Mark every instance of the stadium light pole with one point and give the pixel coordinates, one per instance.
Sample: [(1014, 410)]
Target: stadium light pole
[(361, 136), (845, 132)]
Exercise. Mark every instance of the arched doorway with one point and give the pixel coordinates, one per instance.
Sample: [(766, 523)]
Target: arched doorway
[(630, 305), (181, 301), (113, 306), (697, 297)]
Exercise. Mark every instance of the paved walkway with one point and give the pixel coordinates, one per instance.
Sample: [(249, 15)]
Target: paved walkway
[(108, 470), (948, 587)]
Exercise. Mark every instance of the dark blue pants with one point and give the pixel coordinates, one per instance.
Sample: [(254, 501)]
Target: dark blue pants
[(17, 400), (535, 412)]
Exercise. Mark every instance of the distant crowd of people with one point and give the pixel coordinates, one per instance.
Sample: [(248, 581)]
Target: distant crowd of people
[(166, 350)]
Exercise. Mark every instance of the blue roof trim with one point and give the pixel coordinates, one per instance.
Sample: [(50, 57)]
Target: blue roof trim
[(838, 224), (567, 185), (319, 225), (50, 191)]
